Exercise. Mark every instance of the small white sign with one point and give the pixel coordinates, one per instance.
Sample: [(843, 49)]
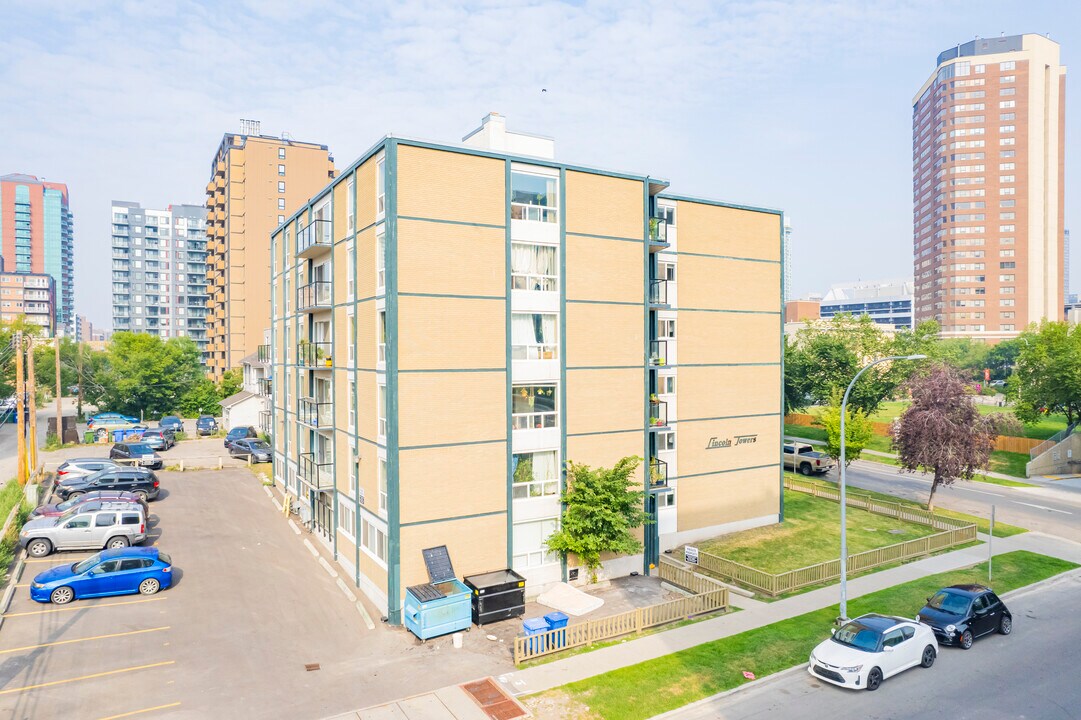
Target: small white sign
[(690, 554)]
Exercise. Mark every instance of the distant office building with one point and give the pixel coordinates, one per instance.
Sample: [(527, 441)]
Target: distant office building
[(36, 237), (802, 310), (786, 292), (31, 295), (86, 332), (256, 181), (159, 270), (988, 151), (887, 302)]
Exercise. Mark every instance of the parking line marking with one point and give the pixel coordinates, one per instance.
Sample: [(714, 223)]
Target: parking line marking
[(140, 712), (79, 640), (83, 607), (86, 677)]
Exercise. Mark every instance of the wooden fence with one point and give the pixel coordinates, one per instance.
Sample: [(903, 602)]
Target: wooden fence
[(1008, 443), (951, 533), (712, 598)]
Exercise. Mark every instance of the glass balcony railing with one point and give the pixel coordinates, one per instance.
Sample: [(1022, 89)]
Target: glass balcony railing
[(314, 413), (658, 474), (315, 354), (658, 234), (658, 353), (658, 293), (535, 420), (658, 414), (534, 351), (317, 472), (541, 283), (315, 295), (313, 238)]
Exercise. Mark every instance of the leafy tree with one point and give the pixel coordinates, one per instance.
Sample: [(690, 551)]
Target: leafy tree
[(232, 382), (1002, 357), (942, 432), (7, 353), (141, 372), (857, 430), (795, 377), (834, 350), (45, 363), (1048, 374), (602, 507), (203, 398)]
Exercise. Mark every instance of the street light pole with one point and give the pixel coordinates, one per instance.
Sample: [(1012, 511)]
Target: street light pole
[(844, 514)]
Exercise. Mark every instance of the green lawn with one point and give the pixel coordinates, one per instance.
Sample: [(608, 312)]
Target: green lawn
[(810, 534), (672, 681), (1045, 428), (892, 460)]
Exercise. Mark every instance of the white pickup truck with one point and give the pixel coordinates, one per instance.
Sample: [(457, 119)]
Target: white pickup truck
[(805, 460)]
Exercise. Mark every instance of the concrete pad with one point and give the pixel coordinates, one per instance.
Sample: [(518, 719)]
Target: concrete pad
[(460, 704), (425, 707), (383, 712)]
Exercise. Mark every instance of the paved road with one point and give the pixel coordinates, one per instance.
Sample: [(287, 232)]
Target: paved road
[(1030, 674), (1053, 510), (9, 437)]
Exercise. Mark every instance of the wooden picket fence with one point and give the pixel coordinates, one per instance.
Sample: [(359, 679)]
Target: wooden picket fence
[(1008, 443), (951, 533), (710, 597)]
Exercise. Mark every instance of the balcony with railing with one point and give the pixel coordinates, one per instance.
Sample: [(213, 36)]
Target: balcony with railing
[(314, 238), (535, 420), (264, 353), (658, 414), (316, 295), (658, 353), (658, 474), (315, 354), (266, 421), (318, 415), (317, 472), (534, 351), (658, 234), (658, 294), (266, 387)]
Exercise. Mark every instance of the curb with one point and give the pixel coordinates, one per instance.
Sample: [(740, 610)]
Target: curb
[(13, 579)]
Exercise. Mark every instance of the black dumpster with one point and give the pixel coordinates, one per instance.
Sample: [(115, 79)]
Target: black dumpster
[(497, 595)]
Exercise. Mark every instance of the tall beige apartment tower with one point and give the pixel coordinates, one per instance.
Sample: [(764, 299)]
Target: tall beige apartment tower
[(256, 181), (988, 151)]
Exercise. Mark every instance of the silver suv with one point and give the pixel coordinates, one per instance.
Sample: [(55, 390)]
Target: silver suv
[(115, 527)]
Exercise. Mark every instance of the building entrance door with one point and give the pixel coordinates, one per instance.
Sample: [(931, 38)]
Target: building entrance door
[(323, 521)]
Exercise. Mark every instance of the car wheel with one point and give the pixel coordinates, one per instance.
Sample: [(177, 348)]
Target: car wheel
[(141, 494), (928, 658), (966, 640), (117, 542), (75, 494), (62, 596), (874, 679), (149, 586), (39, 548), (1005, 625), (805, 469)]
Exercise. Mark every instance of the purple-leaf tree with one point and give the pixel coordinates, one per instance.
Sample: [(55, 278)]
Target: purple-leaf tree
[(942, 432)]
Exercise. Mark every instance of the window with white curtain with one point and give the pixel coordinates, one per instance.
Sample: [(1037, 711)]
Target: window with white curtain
[(535, 474), (534, 267), (380, 261), (529, 548), (534, 336)]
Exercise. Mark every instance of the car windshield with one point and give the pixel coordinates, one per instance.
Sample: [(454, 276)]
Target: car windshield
[(81, 567), (259, 445), (140, 448), (858, 636), (66, 504), (949, 602)]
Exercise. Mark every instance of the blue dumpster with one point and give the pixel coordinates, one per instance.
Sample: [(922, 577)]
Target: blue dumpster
[(118, 436), (557, 621), (536, 626), (440, 606)]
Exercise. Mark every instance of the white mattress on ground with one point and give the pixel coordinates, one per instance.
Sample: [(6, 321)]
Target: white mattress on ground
[(572, 601)]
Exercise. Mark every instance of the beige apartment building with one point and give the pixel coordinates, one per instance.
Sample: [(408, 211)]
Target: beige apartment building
[(988, 155), (452, 323), (31, 296), (255, 182)]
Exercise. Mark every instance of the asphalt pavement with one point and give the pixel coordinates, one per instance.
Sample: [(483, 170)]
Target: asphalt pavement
[(1055, 510), (1032, 673)]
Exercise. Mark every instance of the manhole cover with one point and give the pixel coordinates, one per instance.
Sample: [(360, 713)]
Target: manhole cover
[(495, 703)]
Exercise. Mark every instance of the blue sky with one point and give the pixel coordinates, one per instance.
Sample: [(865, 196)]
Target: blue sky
[(804, 106)]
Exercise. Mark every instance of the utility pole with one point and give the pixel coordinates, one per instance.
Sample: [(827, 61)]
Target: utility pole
[(31, 390), (59, 404), (20, 407), (79, 367)]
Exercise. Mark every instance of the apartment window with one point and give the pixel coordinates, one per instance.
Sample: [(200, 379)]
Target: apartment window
[(1007, 228), (1007, 166), (380, 261), (666, 213), (666, 500), (281, 170), (350, 271), (351, 205), (1007, 79), (1007, 191), (1008, 91), (281, 153), (529, 548), (1005, 117), (534, 406), (1006, 302), (1007, 314), (1007, 327), (535, 474), (352, 340), (381, 337), (534, 197), (281, 219), (1006, 278), (1007, 203), (382, 479), (1010, 65), (382, 408), (380, 188), (281, 203), (1007, 265), (667, 385), (1008, 290), (352, 404), (666, 441), (666, 328), (534, 267), (347, 517), (1007, 104), (1008, 153), (666, 271), (374, 538), (281, 186), (534, 336)]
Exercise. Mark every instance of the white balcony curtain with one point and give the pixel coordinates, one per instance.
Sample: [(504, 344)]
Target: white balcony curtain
[(528, 259), (521, 329), (544, 466)]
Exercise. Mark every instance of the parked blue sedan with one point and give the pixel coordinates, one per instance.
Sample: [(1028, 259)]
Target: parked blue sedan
[(123, 571)]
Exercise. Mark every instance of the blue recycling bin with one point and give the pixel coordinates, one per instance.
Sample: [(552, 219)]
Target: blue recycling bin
[(118, 436), (557, 621), (536, 626)]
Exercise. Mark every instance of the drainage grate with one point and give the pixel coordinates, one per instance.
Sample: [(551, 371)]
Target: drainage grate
[(495, 703)]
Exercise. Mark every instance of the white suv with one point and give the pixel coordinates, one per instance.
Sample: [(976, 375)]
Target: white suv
[(105, 528)]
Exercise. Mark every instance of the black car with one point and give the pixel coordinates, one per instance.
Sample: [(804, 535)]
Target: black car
[(139, 481), (240, 433), (206, 425), (158, 439), (171, 422), (961, 613), (137, 453), (257, 449)]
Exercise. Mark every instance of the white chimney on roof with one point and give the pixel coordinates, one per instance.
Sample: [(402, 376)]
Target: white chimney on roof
[(493, 135)]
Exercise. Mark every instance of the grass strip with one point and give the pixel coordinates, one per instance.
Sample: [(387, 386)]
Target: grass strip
[(11, 494), (990, 480), (672, 681)]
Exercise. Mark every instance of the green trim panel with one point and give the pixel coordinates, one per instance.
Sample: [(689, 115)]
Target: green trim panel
[(394, 536), (452, 519), (605, 237), (403, 448), (723, 257), (449, 222), (724, 417), (605, 302), (605, 432), (448, 295)]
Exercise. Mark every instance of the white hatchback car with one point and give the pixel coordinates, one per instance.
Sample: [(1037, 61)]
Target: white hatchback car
[(865, 651)]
